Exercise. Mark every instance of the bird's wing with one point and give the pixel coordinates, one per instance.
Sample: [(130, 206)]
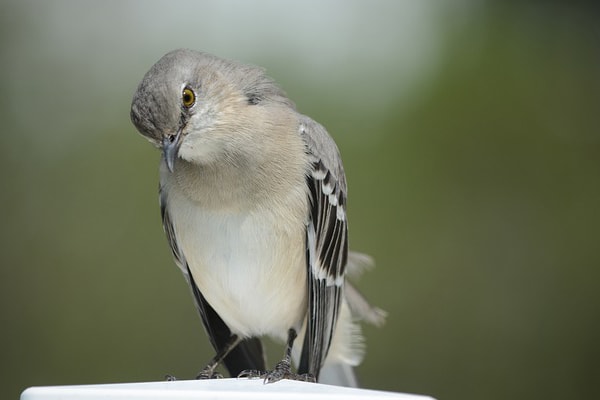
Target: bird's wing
[(248, 354), (326, 243)]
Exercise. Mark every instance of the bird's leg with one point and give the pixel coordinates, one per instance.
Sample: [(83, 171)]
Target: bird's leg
[(208, 372), (283, 369)]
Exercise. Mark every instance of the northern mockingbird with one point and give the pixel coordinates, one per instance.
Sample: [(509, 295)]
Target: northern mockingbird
[(253, 203)]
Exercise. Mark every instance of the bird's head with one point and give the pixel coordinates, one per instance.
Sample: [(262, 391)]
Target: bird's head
[(198, 107)]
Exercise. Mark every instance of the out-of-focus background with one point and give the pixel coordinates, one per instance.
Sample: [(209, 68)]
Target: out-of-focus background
[(470, 132)]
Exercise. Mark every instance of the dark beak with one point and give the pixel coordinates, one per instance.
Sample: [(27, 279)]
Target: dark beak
[(170, 148)]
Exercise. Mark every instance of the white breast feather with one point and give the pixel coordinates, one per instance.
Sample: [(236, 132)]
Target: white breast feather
[(249, 268)]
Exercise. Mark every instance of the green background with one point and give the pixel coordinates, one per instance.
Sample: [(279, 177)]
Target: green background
[(470, 133)]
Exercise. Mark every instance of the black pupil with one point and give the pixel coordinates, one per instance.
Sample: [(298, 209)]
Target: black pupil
[(187, 98)]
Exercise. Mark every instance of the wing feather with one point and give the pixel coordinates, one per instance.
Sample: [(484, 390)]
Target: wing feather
[(326, 243)]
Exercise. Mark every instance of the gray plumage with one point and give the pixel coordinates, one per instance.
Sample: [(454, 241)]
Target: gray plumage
[(253, 198)]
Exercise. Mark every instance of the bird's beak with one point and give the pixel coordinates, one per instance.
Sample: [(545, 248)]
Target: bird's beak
[(170, 148)]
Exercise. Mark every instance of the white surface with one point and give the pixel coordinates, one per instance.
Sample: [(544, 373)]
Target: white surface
[(210, 389)]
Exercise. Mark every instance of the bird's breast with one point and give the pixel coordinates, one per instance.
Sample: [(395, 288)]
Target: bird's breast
[(248, 264)]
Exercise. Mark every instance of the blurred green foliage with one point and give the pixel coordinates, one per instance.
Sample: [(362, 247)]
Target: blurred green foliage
[(479, 199)]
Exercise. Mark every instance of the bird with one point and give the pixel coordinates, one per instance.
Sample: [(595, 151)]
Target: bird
[(253, 203)]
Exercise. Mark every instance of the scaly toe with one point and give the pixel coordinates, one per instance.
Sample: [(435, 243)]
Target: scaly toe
[(306, 378), (208, 373), (283, 370), (252, 374)]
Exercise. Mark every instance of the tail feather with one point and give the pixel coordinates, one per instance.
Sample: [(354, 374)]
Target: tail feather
[(338, 374)]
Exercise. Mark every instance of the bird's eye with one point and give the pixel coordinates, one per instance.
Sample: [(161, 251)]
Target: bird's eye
[(188, 97)]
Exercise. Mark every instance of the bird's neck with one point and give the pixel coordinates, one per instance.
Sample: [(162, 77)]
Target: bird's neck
[(239, 186)]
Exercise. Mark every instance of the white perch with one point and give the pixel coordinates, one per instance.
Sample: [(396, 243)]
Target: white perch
[(222, 389)]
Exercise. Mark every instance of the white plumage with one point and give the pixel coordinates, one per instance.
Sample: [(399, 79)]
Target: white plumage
[(248, 265)]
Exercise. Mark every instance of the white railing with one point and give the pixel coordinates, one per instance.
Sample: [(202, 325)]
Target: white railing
[(223, 389)]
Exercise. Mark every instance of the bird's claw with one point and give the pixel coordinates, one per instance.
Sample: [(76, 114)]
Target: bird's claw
[(252, 374), (306, 378), (208, 373), (282, 370)]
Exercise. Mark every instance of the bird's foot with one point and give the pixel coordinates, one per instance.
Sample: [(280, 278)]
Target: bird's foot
[(306, 378), (252, 374), (283, 370), (208, 373)]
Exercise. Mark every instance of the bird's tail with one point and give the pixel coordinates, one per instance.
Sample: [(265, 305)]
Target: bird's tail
[(339, 374), (347, 346)]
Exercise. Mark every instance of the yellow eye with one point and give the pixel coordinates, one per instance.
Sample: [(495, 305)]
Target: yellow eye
[(188, 97)]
